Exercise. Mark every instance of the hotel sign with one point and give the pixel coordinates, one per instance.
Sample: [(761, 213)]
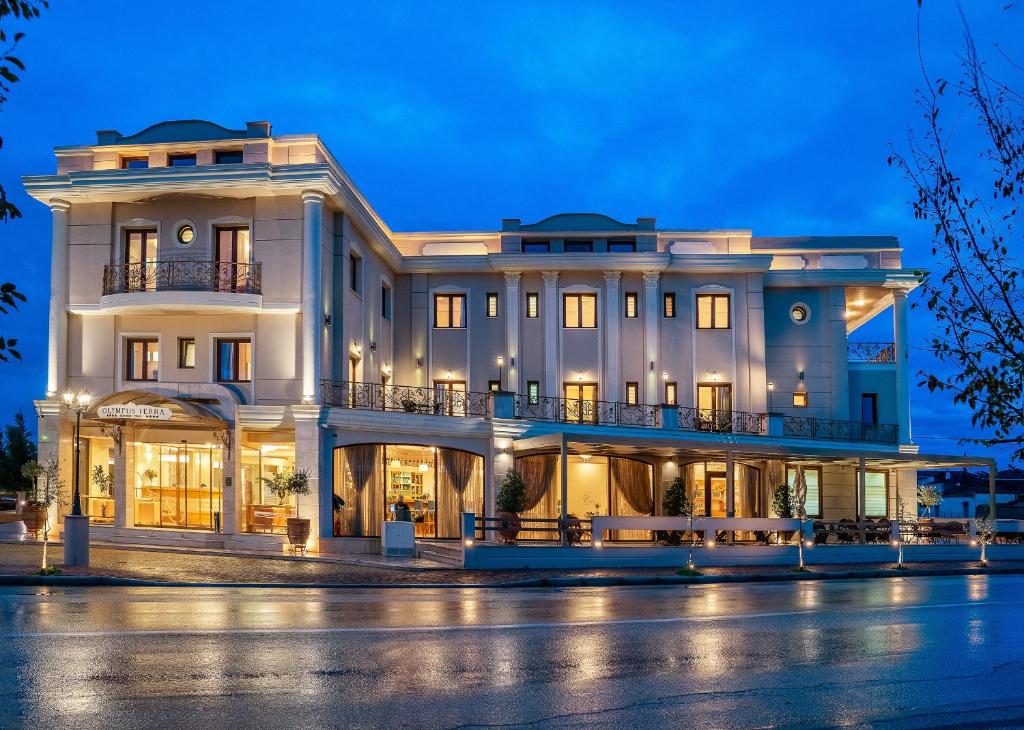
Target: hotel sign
[(133, 412)]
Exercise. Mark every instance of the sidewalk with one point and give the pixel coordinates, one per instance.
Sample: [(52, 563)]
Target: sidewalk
[(19, 563)]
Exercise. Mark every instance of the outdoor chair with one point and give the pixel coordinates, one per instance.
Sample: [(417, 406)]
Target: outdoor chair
[(846, 532)]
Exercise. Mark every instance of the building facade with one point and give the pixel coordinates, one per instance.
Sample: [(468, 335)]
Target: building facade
[(237, 311)]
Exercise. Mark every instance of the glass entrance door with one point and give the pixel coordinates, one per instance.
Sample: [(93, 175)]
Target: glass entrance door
[(714, 495), (177, 486), (580, 402)]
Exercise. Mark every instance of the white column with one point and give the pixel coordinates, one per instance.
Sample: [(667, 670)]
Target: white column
[(56, 372), (651, 316), (730, 485), (840, 369), (312, 222), (563, 483), (611, 388), (899, 328), (552, 314), (512, 300)]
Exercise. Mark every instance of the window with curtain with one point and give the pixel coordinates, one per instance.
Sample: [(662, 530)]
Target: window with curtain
[(234, 361), (143, 360), (876, 487), (492, 305), (631, 305), (579, 311), (449, 311), (713, 312), (358, 481), (632, 393), (812, 475), (532, 305), (460, 477)]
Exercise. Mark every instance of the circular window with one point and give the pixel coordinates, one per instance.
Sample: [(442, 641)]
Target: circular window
[(186, 234), (800, 313)]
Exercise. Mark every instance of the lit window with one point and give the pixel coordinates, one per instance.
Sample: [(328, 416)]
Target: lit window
[(181, 160), (669, 309), (800, 313), (632, 393), (532, 305), (876, 488), (533, 392), (143, 360), (494, 385), (227, 157), (536, 247), (449, 311), (631, 305), (713, 311), (670, 393), (234, 361), (492, 305), (800, 399), (186, 353), (812, 475), (580, 310)]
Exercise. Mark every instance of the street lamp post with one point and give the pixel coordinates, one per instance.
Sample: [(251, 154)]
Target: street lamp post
[(76, 403), (76, 525)]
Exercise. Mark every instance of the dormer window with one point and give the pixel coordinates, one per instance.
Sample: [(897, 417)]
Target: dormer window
[(182, 160), (536, 246), (134, 163), (621, 246), (579, 247), (227, 157)]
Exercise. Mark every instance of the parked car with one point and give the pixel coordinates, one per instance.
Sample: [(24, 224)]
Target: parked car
[(7, 502)]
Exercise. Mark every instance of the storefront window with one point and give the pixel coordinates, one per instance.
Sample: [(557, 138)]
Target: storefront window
[(706, 480), (378, 482), (95, 478), (263, 509), (177, 485)]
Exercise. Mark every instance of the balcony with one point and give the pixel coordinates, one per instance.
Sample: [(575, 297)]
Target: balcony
[(871, 352), (181, 285), (443, 402)]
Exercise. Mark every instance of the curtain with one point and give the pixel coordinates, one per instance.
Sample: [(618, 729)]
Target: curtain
[(632, 495), (748, 496), (538, 473), (631, 480), (456, 473), (775, 475), (366, 510)]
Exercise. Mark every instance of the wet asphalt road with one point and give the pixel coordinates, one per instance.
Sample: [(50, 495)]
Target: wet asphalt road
[(914, 652)]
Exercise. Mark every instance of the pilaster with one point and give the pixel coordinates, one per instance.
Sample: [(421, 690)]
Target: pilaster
[(312, 222), (56, 362), (611, 388), (552, 315), (512, 299), (651, 312)]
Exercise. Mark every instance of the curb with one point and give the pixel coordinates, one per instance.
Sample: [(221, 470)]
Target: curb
[(78, 581)]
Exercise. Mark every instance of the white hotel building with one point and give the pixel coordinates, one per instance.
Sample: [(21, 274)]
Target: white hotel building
[(240, 280)]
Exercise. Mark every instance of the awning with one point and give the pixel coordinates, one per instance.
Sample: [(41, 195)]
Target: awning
[(153, 410)]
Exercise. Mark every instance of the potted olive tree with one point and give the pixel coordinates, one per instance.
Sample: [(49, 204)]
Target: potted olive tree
[(283, 484), (928, 497), (511, 500), (103, 482), (679, 502), (782, 506), (46, 489)]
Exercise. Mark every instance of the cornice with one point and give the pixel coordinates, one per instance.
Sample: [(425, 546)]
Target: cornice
[(892, 278)]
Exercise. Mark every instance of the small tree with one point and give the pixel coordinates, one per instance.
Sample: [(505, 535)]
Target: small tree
[(285, 483), (782, 501), (984, 533), (928, 497), (680, 502), (512, 493), (17, 450), (103, 481), (47, 487)]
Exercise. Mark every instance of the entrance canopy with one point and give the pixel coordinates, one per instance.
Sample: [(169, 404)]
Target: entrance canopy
[(154, 410)]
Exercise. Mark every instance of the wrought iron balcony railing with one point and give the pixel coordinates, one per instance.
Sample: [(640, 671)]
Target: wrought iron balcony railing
[(573, 410), (704, 419), (403, 398), (832, 430), (206, 276), (880, 352)]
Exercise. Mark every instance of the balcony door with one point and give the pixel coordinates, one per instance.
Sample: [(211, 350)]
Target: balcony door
[(450, 397), (233, 253), (580, 402), (140, 260), (714, 406)]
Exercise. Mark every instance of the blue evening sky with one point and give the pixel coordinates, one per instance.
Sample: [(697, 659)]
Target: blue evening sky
[(770, 116)]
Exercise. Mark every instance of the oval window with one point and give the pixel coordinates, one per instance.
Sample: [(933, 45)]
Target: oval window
[(186, 234), (800, 313)]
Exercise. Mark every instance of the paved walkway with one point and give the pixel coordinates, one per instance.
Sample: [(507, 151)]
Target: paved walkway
[(203, 567)]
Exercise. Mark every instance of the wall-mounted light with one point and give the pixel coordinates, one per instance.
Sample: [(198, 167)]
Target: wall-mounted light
[(579, 376), (373, 346), (714, 376), (664, 375), (771, 385), (512, 362), (501, 361), (652, 366), (327, 320), (448, 375), (419, 362), (801, 375)]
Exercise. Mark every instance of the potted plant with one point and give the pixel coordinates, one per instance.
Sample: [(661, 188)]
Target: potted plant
[(149, 475), (928, 497), (283, 484), (105, 484), (782, 506), (511, 500), (674, 504), (44, 494)]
